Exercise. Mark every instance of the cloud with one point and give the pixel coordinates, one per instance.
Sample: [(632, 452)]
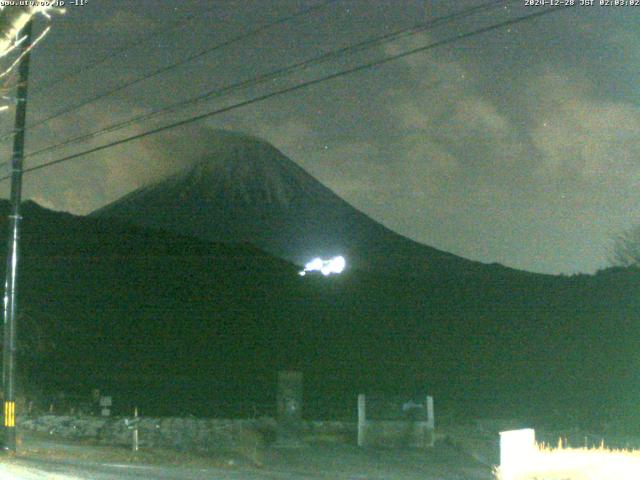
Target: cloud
[(587, 140), (87, 182), (486, 148), (543, 166)]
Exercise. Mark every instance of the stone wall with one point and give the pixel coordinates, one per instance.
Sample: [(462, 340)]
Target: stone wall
[(182, 433), (398, 434)]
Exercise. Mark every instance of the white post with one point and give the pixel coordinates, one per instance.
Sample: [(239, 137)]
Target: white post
[(362, 419), (431, 421), (517, 450), (135, 430)]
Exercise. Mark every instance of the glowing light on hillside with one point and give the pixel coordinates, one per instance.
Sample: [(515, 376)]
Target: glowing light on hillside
[(326, 267)]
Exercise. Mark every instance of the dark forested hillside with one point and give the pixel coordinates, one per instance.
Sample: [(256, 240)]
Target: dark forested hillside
[(176, 325)]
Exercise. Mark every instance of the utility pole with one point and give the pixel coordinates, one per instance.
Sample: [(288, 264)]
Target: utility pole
[(11, 281)]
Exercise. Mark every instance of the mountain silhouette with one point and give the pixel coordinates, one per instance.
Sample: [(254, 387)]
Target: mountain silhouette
[(246, 190)]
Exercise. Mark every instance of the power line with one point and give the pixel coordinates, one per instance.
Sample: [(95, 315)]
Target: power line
[(275, 74), (300, 86), (181, 62), (122, 49)]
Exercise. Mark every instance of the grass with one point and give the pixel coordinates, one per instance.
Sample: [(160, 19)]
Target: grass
[(45, 447), (561, 463)]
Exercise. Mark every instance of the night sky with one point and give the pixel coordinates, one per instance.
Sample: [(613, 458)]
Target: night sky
[(519, 146)]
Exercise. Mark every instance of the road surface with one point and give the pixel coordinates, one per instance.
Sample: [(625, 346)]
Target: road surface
[(64, 460)]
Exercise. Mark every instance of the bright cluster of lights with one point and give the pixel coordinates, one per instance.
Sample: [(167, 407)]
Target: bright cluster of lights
[(326, 267)]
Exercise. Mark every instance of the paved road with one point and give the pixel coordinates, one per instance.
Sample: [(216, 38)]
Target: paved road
[(311, 462), (25, 469), (41, 470)]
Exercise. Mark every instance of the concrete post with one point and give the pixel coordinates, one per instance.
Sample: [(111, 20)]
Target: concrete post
[(289, 408), (517, 450), (136, 442), (431, 421), (362, 419)]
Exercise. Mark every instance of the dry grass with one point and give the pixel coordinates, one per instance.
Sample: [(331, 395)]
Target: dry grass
[(562, 463), (251, 446), (248, 452)]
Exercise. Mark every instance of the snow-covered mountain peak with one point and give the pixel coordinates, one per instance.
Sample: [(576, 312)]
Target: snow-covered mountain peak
[(246, 169)]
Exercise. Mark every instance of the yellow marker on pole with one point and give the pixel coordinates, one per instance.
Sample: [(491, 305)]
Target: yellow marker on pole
[(9, 414)]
